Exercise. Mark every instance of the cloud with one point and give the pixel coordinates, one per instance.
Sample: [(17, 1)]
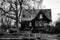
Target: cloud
[(54, 6)]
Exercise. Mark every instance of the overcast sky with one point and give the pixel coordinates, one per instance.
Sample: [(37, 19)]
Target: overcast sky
[(55, 6)]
